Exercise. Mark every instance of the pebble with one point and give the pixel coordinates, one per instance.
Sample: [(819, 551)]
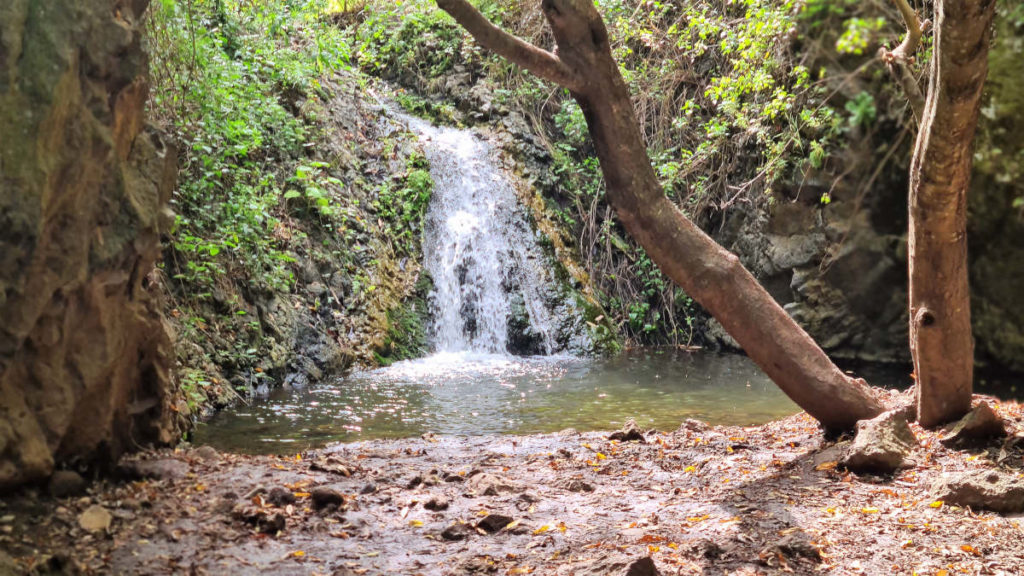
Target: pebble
[(323, 496)]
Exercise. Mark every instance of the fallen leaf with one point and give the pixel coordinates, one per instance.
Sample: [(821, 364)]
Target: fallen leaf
[(936, 504)]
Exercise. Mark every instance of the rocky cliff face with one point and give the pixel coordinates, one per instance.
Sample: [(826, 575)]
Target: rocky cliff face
[(84, 354)]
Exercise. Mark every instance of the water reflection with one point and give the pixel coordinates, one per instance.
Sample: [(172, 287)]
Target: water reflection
[(475, 393)]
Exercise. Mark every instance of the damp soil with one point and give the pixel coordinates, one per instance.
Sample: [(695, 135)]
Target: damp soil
[(697, 500)]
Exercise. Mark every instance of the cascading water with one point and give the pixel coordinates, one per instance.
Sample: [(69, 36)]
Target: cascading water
[(487, 267)]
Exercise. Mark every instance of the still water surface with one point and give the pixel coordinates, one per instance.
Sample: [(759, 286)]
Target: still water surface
[(474, 393)]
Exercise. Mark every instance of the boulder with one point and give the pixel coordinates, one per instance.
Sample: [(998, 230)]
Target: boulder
[(85, 356), (66, 483), (881, 444), (982, 490), (980, 423)]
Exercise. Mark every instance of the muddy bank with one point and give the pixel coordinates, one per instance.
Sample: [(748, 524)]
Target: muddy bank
[(697, 500)]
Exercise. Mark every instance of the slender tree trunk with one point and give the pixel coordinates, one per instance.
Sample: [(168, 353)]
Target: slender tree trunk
[(940, 311), (583, 63)]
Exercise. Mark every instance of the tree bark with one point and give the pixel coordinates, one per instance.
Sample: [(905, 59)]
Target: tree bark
[(940, 311), (583, 63)]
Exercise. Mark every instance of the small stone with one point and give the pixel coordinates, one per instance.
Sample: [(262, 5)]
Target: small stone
[(163, 469), (256, 491), (613, 565), (455, 532), (437, 503), (207, 453), (880, 445), (577, 485), (271, 523), (489, 485), (493, 522), (95, 519), (982, 490), (331, 464), (368, 488), (643, 567), (630, 433), (264, 521), (66, 483), (279, 496), (323, 497), (694, 425), (981, 423), (414, 482)]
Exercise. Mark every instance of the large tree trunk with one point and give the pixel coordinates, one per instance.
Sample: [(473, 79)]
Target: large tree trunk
[(940, 311), (713, 276)]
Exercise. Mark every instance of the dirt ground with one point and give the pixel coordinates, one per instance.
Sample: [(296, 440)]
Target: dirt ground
[(697, 500)]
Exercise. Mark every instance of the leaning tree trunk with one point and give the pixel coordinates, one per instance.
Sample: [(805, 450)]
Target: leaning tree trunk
[(940, 311), (583, 63)]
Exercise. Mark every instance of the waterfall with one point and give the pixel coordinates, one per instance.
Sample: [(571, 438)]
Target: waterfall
[(493, 288)]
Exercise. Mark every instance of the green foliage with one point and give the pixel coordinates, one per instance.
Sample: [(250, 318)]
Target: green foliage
[(402, 206), (312, 185), (858, 34), (406, 336), (228, 79), (411, 36), (862, 110), (437, 111)]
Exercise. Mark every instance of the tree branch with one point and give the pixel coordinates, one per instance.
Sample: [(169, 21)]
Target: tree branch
[(898, 60), (536, 60)]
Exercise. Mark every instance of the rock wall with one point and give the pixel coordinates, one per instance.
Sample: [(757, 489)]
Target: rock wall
[(840, 269), (84, 353), (995, 225)]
